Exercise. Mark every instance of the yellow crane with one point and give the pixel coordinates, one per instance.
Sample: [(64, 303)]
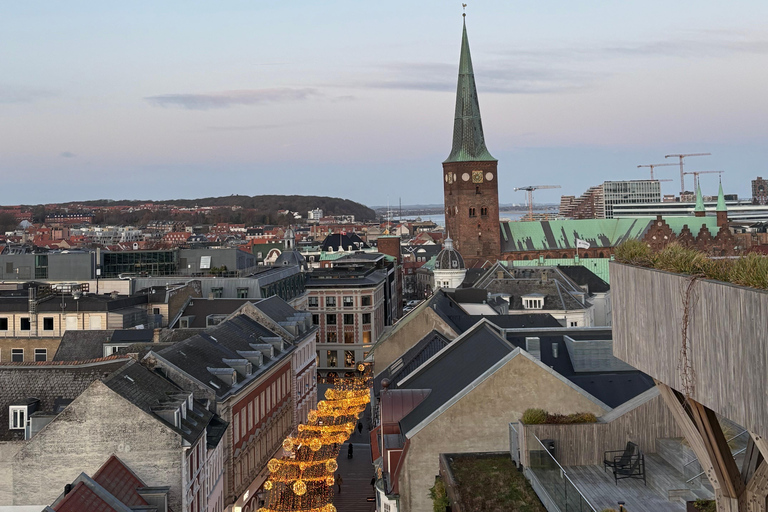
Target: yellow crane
[(530, 189)]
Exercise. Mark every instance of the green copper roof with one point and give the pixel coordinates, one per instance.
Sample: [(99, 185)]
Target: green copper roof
[(699, 200), (694, 224), (468, 140), (721, 200), (597, 265), (561, 234)]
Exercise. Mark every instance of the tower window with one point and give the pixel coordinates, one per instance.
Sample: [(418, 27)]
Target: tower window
[(483, 211), (472, 212), (477, 189)]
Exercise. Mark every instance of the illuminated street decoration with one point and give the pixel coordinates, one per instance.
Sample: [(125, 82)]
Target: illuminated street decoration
[(303, 479)]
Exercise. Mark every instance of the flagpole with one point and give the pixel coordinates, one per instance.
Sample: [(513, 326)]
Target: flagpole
[(576, 240)]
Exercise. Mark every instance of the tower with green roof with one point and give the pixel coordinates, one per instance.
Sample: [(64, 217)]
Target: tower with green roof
[(699, 210), (721, 210), (470, 184)]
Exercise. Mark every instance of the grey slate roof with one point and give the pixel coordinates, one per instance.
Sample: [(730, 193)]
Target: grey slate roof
[(585, 277), (77, 345), (276, 308), (197, 354), (52, 384), (453, 369), (414, 357), (148, 390), (201, 308)]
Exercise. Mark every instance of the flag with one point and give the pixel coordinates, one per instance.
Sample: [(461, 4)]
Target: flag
[(582, 244)]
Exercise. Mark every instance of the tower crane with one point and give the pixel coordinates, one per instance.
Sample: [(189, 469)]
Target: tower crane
[(696, 176), (653, 166), (682, 175), (530, 189)]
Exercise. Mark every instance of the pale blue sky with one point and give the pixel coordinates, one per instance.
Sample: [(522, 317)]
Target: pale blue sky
[(173, 99)]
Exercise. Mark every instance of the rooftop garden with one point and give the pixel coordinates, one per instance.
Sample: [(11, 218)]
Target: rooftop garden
[(493, 484), (541, 417), (750, 270)]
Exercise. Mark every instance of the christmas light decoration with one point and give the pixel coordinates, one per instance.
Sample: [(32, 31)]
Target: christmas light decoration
[(304, 480)]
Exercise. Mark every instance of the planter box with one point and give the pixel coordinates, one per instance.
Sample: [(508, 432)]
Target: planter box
[(727, 338)]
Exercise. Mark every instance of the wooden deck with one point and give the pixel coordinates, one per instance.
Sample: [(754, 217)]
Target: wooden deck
[(600, 489)]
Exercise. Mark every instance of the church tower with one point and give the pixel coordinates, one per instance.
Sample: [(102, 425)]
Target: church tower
[(470, 184)]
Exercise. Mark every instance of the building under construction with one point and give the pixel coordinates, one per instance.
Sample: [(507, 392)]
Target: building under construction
[(598, 201)]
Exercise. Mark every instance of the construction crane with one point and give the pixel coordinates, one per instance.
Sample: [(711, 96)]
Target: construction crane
[(653, 166), (682, 175), (696, 176), (530, 190)]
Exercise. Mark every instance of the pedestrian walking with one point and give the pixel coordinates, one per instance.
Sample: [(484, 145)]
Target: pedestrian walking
[(373, 482), (360, 427), (339, 481), (350, 451)]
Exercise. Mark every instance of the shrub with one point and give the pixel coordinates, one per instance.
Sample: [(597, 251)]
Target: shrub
[(705, 505), (634, 252), (540, 416), (678, 259), (534, 416), (439, 497)]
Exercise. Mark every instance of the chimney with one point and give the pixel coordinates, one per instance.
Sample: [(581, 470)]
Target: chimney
[(156, 336), (67, 489)]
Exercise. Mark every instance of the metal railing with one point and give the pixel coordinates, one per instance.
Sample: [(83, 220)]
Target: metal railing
[(553, 478), (733, 454)]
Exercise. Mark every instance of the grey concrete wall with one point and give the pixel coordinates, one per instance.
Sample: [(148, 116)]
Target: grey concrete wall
[(726, 348), (479, 422), (594, 356), (61, 266), (96, 425)]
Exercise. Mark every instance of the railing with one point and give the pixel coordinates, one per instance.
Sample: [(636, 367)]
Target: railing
[(551, 478), (688, 471)]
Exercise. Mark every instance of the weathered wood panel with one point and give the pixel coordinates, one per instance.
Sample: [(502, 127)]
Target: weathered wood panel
[(728, 339), (584, 444)]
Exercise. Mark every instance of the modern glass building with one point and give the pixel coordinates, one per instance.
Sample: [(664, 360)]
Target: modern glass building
[(629, 192)]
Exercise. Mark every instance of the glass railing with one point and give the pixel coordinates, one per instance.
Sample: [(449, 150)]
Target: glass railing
[(553, 479)]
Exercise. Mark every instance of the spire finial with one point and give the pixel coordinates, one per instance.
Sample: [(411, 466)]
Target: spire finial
[(464, 6)]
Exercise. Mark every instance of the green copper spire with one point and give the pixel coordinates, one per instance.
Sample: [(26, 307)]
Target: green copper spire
[(468, 140), (721, 200), (699, 200)]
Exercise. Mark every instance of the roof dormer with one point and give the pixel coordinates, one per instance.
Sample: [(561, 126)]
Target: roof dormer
[(533, 301)]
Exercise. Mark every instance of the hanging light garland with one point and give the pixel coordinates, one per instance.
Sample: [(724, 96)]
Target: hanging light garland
[(303, 480)]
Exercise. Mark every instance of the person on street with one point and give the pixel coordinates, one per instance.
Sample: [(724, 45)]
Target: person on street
[(350, 451), (339, 481), (359, 427)]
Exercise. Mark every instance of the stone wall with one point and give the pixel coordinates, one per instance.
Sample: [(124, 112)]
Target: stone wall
[(479, 422)]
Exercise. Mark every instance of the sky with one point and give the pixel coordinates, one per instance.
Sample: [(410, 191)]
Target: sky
[(355, 99)]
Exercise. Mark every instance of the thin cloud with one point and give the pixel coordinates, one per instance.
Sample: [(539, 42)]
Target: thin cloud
[(67, 154), (10, 94), (227, 99)]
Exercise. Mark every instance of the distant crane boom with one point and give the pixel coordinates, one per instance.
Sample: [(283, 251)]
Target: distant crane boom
[(696, 176), (682, 174), (653, 166), (530, 189)]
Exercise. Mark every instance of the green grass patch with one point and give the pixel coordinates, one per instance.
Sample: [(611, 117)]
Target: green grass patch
[(540, 416), (493, 484)]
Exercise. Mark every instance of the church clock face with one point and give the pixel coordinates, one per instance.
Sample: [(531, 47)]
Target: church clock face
[(477, 176)]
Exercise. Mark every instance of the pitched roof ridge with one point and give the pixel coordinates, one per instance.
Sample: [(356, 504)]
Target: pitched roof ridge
[(80, 363)]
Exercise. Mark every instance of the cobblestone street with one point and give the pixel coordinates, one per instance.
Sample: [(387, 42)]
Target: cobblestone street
[(356, 473)]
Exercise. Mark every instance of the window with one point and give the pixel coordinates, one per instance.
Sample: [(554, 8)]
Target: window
[(330, 337), (349, 358), (242, 293), (250, 415), (330, 302), (25, 324), (483, 212), (366, 318), (349, 319), (347, 301), (217, 292), (17, 355), (3, 324), (315, 319), (17, 417), (349, 337), (312, 302), (237, 427), (330, 319), (48, 323), (155, 311), (574, 324), (366, 300), (366, 337), (332, 358), (472, 212), (41, 354)]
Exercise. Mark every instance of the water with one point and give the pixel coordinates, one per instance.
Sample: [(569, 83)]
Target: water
[(439, 219)]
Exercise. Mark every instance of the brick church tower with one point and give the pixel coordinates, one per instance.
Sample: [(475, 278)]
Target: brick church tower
[(470, 184)]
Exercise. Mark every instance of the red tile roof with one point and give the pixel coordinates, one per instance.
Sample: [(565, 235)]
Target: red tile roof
[(83, 499), (120, 482)]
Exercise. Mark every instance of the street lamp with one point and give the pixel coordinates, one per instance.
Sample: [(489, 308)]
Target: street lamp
[(76, 294)]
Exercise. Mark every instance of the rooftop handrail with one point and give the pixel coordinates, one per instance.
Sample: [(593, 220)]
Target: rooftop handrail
[(564, 473), (726, 442)]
